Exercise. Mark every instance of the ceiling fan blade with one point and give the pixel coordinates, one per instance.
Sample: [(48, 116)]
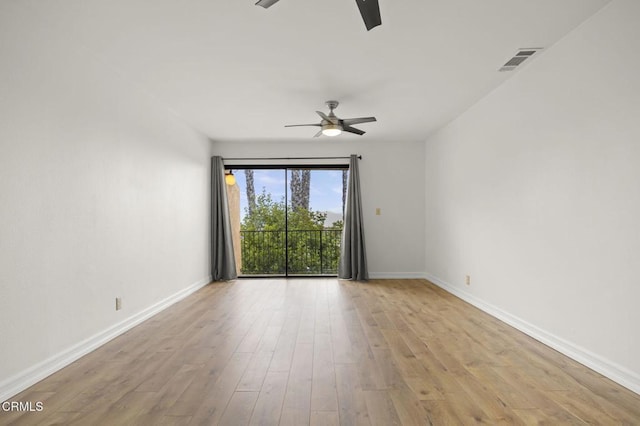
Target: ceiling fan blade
[(317, 135), (370, 11), (301, 125), (324, 116), (353, 130), (350, 121), (266, 3)]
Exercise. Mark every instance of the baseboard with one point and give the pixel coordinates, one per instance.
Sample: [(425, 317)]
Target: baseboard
[(397, 275), (34, 374), (613, 371)]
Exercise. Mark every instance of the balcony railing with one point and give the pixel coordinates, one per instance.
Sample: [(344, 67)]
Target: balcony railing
[(299, 252)]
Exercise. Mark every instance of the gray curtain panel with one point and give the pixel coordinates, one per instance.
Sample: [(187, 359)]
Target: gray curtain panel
[(353, 258), (223, 262)]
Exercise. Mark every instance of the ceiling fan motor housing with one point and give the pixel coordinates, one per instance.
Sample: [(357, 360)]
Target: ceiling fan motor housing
[(332, 105)]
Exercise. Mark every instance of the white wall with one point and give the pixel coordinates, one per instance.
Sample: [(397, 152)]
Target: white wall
[(534, 192), (392, 179), (103, 194)]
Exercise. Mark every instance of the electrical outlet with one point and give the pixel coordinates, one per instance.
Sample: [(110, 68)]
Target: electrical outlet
[(378, 211), (468, 279), (118, 303)]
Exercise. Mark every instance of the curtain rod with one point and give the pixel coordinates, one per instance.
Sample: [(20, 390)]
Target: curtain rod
[(289, 158)]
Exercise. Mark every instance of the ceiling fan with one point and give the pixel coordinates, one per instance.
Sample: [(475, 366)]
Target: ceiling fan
[(330, 125), (369, 9)]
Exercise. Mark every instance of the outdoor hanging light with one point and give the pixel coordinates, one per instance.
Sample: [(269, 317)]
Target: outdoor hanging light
[(229, 178)]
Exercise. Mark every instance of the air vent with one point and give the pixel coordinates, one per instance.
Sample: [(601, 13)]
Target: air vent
[(517, 60)]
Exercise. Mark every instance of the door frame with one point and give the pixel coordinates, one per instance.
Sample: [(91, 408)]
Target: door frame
[(286, 168)]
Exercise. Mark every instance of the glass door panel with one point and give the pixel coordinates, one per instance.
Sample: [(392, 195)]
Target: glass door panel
[(314, 221), (287, 221), (261, 211)]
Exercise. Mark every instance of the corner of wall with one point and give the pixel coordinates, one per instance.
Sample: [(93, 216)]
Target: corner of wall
[(24, 379), (606, 367)]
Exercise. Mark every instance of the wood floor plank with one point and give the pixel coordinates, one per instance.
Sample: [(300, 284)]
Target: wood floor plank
[(167, 396), (324, 418), (296, 407), (424, 389), (585, 409), (193, 396), (351, 400), (238, 411), (441, 412), (252, 339), (269, 404), (322, 352), (340, 342), (409, 409), (380, 407), (511, 393), (466, 410), (255, 373), (323, 384), (482, 395), (269, 339), (306, 328), (369, 373), (216, 394), (283, 351), (403, 357)]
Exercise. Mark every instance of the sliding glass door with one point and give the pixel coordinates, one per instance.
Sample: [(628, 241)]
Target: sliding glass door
[(287, 220), (314, 221)]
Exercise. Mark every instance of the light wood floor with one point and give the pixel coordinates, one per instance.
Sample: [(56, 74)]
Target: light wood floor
[(323, 352)]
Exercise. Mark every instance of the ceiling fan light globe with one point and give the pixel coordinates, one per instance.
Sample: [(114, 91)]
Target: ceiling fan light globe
[(331, 130)]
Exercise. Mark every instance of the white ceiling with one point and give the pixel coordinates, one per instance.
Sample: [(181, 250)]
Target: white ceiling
[(236, 71)]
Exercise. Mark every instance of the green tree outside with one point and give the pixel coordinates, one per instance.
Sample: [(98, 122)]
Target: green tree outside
[(312, 247)]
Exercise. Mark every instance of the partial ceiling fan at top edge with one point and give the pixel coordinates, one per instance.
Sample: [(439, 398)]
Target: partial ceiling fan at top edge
[(369, 10)]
